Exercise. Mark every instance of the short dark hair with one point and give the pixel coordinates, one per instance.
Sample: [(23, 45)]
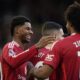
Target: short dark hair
[(49, 25), (72, 14), (18, 21)]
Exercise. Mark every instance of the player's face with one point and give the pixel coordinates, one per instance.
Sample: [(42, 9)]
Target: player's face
[(25, 32), (60, 34)]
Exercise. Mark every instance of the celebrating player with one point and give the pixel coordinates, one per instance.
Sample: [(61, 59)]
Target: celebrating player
[(13, 56), (65, 55), (48, 29)]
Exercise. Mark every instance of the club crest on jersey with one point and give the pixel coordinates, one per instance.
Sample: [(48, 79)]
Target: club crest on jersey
[(49, 57), (41, 54), (11, 52)]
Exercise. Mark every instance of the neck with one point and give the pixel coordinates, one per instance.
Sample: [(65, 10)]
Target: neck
[(19, 42), (73, 31)]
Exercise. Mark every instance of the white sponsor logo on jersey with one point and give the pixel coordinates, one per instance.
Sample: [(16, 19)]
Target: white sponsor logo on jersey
[(49, 57)]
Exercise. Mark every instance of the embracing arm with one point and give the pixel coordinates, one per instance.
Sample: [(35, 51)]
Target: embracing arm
[(42, 72), (15, 60)]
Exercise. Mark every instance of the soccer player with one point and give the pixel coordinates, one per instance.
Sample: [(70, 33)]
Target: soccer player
[(48, 29), (13, 55), (65, 55)]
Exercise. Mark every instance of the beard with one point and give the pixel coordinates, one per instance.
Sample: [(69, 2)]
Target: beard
[(24, 40)]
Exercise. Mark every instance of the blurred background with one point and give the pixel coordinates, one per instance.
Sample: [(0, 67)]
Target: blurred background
[(38, 11)]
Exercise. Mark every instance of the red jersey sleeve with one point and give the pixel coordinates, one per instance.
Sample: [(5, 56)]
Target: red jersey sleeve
[(15, 59), (53, 58)]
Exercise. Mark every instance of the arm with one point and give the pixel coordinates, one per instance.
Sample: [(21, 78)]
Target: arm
[(42, 72), (51, 62), (16, 60), (29, 67)]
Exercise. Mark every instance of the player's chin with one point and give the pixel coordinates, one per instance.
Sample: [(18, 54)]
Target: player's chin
[(28, 40)]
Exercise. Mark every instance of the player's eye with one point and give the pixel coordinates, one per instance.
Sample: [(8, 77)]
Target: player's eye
[(27, 28)]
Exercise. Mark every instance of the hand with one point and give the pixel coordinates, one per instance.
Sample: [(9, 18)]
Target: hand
[(44, 41), (29, 67)]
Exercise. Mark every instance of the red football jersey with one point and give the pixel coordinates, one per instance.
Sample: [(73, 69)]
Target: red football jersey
[(14, 61), (65, 58), (38, 59), (40, 56)]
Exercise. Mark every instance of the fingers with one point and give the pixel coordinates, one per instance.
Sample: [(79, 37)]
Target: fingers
[(48, 39), (44, 41)]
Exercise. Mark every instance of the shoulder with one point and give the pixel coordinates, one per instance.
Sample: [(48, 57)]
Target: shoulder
[(10, 45), (9, 49), (62, 43)]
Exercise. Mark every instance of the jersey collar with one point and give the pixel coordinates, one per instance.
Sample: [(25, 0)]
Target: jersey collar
[(73, 33), (15, 43)]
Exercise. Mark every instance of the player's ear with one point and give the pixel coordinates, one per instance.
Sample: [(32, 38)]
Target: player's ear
[(70, 24), (17, 30), (54, 35)]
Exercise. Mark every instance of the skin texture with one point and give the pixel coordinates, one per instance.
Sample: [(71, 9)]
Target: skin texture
[(42, 72)]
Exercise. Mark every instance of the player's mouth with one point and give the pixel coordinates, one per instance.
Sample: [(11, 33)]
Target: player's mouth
[(28, 37)]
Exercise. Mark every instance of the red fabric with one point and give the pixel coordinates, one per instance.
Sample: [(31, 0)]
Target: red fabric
[(64, 58), (40, 56), (38, 59), (14, 61)]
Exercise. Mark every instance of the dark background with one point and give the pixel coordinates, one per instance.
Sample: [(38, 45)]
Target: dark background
[(38, 11)]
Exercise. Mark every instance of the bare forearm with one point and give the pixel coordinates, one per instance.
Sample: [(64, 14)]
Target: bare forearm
[(42, 72)]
